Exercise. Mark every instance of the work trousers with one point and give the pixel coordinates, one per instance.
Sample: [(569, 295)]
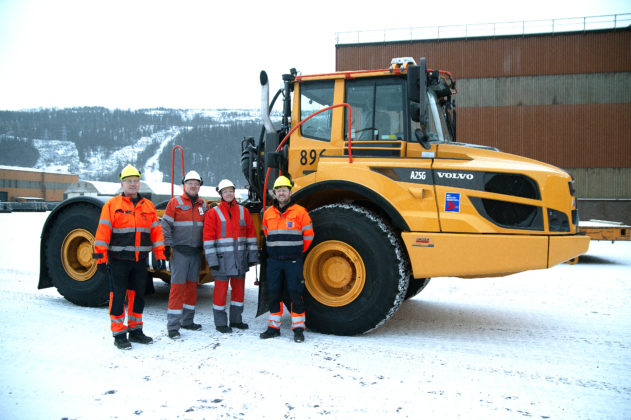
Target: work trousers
[(127, 280), (292, 270), (183, 294), (220, 297)]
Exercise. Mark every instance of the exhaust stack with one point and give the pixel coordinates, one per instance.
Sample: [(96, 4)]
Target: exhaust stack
[(267, 121)]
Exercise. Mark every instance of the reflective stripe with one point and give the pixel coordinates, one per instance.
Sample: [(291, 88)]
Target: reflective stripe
[(154, 224), (274, 320), (131, 318), (130, 248), (233, 303), (168, 218), (157, 244), (284, 232), (297, 321), (307, 227), (179, 200), (105, 222), (219, 308), (147, 230), (222, 219), (241, 217), (191, 223), (174, 311), (308, 238), (124, 230), (191, 307), (209, 243), (284, 243), (102, 243)]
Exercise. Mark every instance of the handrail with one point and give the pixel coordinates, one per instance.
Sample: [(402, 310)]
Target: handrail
[(173, 166), (587, 23), (280, 145)]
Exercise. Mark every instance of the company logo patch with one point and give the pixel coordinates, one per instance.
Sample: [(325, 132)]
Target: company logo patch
[(290, 225), (452, 202)]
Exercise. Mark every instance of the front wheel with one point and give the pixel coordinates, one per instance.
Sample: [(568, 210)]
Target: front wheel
[(355, 271)]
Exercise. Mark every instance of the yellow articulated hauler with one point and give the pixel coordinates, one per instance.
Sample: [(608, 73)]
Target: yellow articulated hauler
[(394, 199)]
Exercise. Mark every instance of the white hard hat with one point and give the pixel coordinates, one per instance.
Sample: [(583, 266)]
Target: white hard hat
[(194, 176), (224, 183)]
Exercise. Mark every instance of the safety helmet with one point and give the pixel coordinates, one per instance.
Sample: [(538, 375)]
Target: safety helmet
[(129, 170), (283, 181), (193, 175), (224, 183)]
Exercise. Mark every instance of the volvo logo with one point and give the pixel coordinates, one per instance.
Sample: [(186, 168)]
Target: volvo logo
[(454, 175)]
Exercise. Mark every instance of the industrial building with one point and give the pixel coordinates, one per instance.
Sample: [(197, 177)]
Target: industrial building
[(26, 184), (559, 96)]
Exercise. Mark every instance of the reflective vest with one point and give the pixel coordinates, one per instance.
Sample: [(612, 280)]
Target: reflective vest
[(183, 222), (288, 234), (229, 240), (128, 232)]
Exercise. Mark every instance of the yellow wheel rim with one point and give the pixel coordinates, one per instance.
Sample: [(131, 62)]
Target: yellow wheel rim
[(76, 255), (334, 273)]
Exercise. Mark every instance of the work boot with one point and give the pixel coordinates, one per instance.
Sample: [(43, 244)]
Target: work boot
[(270, 333), (174, 334), (299, 336), (239, 325), (224, 329), (121, 342), (137, 336), (192, 326)]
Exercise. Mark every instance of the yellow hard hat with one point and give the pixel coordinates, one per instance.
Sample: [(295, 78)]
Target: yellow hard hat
[(283, 181), (129, 170)]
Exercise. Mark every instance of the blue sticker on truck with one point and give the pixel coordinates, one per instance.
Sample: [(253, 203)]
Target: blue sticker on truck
[(452, 202)]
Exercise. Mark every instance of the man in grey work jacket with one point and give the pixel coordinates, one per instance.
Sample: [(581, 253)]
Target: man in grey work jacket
[(182, 226)]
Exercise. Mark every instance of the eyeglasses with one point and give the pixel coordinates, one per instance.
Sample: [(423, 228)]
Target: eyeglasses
[(193, 183), (131, 181)]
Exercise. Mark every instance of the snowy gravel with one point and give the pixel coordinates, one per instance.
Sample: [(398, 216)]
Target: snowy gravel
[(549, 344)]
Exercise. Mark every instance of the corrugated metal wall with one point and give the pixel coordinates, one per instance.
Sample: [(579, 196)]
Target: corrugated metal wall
[(562, 98), (528, 55)]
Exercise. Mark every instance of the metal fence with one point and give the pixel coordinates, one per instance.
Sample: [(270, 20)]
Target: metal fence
[(577, 24)]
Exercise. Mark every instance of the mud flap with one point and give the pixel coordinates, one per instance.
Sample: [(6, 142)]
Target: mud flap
[(263, 303)]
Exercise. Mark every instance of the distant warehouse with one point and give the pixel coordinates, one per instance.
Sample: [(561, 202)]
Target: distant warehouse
[(558, 91), (26, 184)]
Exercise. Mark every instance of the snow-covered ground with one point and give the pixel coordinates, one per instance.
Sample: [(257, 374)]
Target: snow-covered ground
[(551, 344)]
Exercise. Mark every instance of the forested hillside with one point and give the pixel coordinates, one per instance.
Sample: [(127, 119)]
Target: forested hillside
[(97, 142)]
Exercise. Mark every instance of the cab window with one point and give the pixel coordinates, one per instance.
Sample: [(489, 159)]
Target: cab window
[(315, 96), (378, 109)]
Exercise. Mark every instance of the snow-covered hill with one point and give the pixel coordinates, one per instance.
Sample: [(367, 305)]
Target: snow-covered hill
[(98, 162)]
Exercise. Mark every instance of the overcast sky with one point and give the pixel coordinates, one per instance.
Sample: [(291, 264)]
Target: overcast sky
[(203, 53)]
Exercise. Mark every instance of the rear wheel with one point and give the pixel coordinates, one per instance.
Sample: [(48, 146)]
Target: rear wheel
[(355, 271), (69, 260)]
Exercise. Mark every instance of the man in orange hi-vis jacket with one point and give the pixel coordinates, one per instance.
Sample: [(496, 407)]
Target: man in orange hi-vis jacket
[(288, 232), (128, 231)]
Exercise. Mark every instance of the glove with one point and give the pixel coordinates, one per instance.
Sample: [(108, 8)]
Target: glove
[(167, 252), (103, 269)]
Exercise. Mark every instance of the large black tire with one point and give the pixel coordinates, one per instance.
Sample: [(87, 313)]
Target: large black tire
[(356, 274), (69, 248), (416, 286)]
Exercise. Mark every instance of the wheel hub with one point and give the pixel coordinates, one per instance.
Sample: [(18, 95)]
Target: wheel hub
[(334, 273), (76, 254)]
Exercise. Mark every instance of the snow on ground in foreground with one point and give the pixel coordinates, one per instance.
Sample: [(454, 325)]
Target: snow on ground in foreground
[(542, 344)]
